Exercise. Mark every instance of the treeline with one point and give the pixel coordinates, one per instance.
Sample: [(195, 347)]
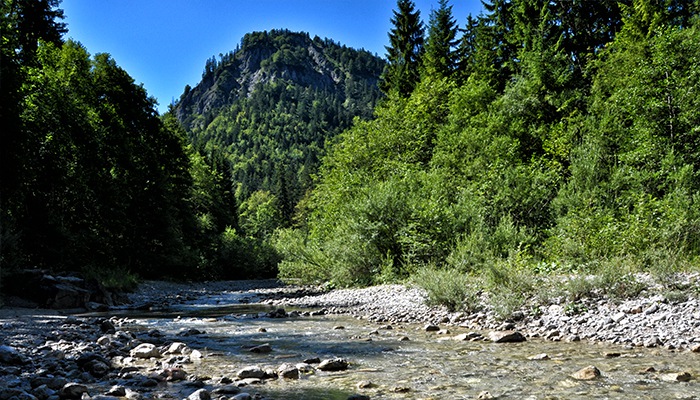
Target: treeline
[(540, 136), (93, 179)]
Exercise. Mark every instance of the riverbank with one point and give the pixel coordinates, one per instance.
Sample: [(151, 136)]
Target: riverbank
[(52, 355), (653, 319)]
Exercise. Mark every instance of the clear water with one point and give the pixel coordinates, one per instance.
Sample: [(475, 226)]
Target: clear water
[(429, 365)]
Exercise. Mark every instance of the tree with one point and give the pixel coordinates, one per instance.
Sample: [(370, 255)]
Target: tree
[(405, 51), (440, 54)]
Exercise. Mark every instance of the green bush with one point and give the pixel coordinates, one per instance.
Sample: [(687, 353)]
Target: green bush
[(448, 287)]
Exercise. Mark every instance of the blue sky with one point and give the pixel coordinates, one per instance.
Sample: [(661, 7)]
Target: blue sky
[(164, 44)]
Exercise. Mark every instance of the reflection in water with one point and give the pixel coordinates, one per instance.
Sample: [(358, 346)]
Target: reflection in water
[(427, 366)]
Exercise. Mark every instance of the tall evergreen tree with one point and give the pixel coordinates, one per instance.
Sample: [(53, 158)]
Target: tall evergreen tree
[(440, 49), (466, 49), (405, 51)]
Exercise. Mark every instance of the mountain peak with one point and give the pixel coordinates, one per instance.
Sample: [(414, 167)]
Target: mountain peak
[(275, 56)]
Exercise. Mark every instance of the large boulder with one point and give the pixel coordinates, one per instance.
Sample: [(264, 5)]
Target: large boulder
[(145, 350), (334, 364)]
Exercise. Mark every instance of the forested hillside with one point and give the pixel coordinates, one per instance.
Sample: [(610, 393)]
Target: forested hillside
[(269, 107), (550, 137)]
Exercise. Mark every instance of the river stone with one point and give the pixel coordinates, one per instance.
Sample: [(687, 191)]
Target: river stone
[(55, 383), (177, 348), (201, 394), (263, 348), (506, 337), (250, 372), (431, 328), (117, 391), (145, 350), (677, 377), (695, 348), (485, 395), (72, 391), (242, 396), (107, 326), (467, 336), (43, 392), (539, 357), (586, 374), (365, 385), (10, 356), (335, 364), (227, 390), (287, 371)]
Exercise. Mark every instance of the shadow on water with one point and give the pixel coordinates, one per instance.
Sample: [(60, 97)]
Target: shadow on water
[(184, 311)]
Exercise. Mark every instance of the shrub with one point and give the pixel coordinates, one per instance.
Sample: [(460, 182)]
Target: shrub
[(448, 287)]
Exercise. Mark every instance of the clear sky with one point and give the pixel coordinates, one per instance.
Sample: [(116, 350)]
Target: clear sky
[(164, 44)]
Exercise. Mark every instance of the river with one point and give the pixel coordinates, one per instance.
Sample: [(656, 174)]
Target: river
[(404, 361)]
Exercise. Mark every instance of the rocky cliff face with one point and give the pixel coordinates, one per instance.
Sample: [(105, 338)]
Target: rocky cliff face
[(269, 57)]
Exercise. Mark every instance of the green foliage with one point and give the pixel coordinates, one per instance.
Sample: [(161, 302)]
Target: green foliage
[(448, 287)]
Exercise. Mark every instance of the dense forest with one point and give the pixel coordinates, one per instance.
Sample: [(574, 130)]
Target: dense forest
[(95, 182), (540, 137)]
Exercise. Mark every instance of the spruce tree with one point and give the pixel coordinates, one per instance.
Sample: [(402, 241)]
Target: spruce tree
[(440, 55), (405, 50)]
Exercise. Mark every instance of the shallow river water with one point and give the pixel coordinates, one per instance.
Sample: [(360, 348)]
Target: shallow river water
[(426, 366)]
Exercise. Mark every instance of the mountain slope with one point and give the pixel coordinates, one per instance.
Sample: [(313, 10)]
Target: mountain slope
[(271, 105)]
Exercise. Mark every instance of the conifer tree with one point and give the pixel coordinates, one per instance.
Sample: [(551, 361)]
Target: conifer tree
[(405, 50), (440, 49)]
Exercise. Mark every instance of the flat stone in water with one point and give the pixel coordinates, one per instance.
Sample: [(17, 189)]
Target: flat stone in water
[(506, 337)]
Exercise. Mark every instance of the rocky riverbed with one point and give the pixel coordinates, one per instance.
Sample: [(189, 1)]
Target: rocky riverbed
[(48, 355)]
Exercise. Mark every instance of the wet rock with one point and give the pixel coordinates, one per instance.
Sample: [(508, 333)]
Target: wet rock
[(677, 377), (431, 328), (695, 348), (72, 391), (145, 350), (118, 391), (242, 396), (10, 356), (287, 371), (190, 332), (335, 364), (539, 357), (261, 349), (506, 337), (43, 392), (485, 395), (227, 390), (314, 360), (586, 374), (201, 394), (250, 372)]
